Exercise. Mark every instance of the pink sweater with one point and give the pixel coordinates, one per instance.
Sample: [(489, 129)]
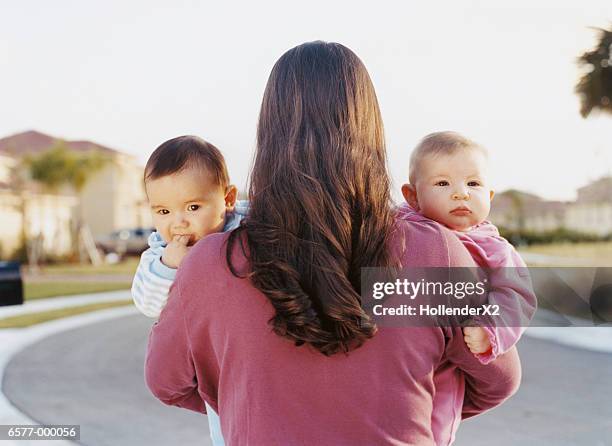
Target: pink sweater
[(213, 343), (509, 281), (511, 289)]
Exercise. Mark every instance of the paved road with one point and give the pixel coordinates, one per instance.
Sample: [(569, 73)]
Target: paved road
[(92, 376), (565, 399)]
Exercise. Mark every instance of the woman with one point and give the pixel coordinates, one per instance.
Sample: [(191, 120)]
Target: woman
[(266, 324)]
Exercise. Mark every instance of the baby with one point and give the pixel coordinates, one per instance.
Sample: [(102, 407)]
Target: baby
[(188, 188), (449, 184)]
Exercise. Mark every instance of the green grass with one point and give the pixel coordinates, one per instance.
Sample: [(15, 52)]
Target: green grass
[(599, 252), (39, 290), (26, 320), (127, 266)]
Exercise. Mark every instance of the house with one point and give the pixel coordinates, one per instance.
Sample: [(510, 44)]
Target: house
[(27, 212), (113, 198), (591, 213), (592, 210), (518, 210)]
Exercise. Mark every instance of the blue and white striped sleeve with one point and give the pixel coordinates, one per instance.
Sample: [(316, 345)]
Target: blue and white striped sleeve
[(152, 280)]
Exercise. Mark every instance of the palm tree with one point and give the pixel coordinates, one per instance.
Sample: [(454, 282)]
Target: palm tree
[(595, 85), (59, 166), (17, 184)]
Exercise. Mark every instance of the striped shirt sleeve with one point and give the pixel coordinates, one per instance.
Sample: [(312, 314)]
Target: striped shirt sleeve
[(152, 280)]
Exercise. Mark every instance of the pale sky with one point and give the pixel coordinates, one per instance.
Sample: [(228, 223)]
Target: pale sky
[(131, 74)]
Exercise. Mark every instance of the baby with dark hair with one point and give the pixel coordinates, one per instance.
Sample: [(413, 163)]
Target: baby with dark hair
[(190, 197)]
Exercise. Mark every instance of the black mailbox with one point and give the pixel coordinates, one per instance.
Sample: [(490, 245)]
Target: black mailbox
[(11, 286)]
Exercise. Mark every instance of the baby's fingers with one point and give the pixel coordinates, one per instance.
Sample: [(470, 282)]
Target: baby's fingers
[(470, 333), (181, 239)]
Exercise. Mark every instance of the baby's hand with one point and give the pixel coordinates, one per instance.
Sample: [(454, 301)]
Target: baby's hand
[(476, 339), (176, 250)]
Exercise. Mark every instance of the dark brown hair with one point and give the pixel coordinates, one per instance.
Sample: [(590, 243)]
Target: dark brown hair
[(184, 152), (320, 206)]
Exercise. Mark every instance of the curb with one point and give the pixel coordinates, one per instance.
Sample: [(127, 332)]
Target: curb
[(53, 303)]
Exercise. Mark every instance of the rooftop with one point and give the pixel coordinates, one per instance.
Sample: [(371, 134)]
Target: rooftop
[(33, 142)]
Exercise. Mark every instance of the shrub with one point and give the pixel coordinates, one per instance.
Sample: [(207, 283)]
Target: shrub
[(559, 235)]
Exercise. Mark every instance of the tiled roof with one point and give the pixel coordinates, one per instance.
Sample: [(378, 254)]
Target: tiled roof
[(32, 142)]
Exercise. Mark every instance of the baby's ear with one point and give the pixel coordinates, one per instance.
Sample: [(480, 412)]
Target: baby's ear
[(231, 193), (491, 194), (410, 195)]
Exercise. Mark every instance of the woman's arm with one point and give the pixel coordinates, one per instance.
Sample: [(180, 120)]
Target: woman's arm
[(486, 386), (169, 366)]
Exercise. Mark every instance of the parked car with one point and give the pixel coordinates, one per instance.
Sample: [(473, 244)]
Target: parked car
[(125, 241)]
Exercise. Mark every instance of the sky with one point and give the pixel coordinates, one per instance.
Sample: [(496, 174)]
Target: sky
[(133, 74)]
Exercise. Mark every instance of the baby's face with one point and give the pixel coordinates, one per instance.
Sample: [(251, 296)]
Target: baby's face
[(188, 203), (453, 189)]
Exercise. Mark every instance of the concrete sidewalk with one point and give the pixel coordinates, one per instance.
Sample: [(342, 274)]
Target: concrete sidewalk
[(54, 303)]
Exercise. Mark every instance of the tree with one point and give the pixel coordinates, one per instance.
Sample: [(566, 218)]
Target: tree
[(595, 85), (59, 166), (17, 184)]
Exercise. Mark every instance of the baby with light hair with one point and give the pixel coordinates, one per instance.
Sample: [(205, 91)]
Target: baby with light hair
[(449, 184)]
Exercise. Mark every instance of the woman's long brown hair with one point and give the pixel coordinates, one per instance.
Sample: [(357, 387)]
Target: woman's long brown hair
[(320, 205)]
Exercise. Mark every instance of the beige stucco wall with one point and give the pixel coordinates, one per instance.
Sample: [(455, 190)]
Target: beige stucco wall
[(97, 202), (51, 216), (10, 220), (45, 214), (131, 202), (6, 165), (594, 218), (544, 222), (114, 198)]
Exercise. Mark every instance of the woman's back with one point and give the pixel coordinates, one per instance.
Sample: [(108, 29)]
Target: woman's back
[(268, 391)]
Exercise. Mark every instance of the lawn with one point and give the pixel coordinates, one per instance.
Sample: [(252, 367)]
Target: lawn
[(599, 252), (127, 266), (26, 320), (39, 290), (68, 279), (55, 286)]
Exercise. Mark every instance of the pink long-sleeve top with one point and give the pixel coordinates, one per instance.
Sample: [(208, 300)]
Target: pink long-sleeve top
[(510, 288), (213, 343), (510, 285)]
